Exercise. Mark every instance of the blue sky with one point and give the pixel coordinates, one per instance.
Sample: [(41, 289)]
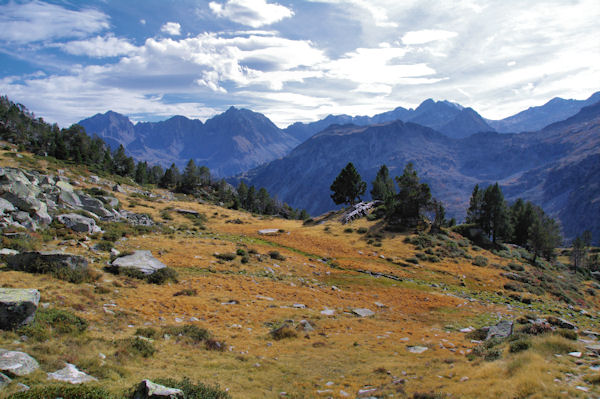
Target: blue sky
[(294, 60)]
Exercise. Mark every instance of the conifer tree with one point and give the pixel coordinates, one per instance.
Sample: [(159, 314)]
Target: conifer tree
[(348, 186), (544, 235), (383, 185)]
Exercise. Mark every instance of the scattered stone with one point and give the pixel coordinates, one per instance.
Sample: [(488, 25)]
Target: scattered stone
[(17, 363), (363, 312), (580, 388), (8, 252), (118, 189), (187, 212), (501, 330), (17, 307), (149, 390), (22, 387), (416, 349), (594, 348), (575, 354), (299, 306), (467, 330), (43, 262), (142, 261), (357, 211), (267, 232), (79, 223), (328, 312), (305, 326), (362, 393), (4, 381), (71, 375), (265, 298)]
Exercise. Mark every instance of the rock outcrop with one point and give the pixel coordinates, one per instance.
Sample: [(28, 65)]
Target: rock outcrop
[(141, 261), (17, 363), (79, 223), (17, 307), (71, 375), (149, 390)]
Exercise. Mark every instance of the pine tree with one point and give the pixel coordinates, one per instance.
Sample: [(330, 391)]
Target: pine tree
[(522, 216), (383, 185), (190, 179), (170, 178), (495, 219), (141, 173), (405, 208), (475, 206), (347, 186), (242, 192), (544, 235), (579, 250)]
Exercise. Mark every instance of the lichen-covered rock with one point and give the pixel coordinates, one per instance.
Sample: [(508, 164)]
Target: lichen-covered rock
[(79, 223), (46, 262), (17, 307), (149, 390), (71, 375), (501, 330), (17, 363), (142, 261)]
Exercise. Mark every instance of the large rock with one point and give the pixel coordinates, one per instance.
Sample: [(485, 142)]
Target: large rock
[(149, 390), (71, 375), (95, 206), (6, 206), (17, 363), (501, 330), (142, 261), (363, 312), (17, 307), (45, 262), (79, 223)]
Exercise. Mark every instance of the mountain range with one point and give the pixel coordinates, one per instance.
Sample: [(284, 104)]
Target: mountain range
[(229, 143)]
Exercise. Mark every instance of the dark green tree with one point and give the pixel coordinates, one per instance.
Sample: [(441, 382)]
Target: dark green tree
[(141, 173), (242, 194), (348, 186), (495, 219), (522, 216), (383, 185), (475, 206), (406, 207), (544, 235), (190, 178), (580, 250), (170, 178)]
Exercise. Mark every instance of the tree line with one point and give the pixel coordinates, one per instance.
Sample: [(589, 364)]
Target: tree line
[(73, 144), (521, 223)]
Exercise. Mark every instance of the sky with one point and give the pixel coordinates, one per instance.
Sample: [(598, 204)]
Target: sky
[(294, 60)]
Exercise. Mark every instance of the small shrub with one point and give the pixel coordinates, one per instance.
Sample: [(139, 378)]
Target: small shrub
[(105, 245), (226, 257), (413, 261), (252, 251), (362, 230), (285, 331), (245, 259), (138, 347), (568, 334), (536, 329), (187, 292), (480, 261), (519, 346), (194, 333), (348, 230), (147, 332), (241, 252), (193, 391), (64, 391), (214, 345), (49, 322), (516, 267), (276, 255), (162, 276)]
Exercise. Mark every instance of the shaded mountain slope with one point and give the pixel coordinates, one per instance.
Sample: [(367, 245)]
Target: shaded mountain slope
[(556, 167)]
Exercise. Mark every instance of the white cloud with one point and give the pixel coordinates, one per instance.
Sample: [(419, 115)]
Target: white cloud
[(37, 21), (171, 28), (253, 13), (377, 9), (98, 47), (143, 21), (426, 36)]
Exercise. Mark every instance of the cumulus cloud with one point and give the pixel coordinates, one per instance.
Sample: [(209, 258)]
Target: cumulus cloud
[(37, 21), (426, 36), (99, 46), (253, 13), (171, 28)]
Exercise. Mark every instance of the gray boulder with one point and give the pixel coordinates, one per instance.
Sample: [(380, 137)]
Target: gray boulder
[(142, 261), (6, 206), (45, 262), (71, 375), (149, 390), (501, 330), (95, 206), (79, 223), (363, 312), (137, 219), (17, 363), (17, 307)]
